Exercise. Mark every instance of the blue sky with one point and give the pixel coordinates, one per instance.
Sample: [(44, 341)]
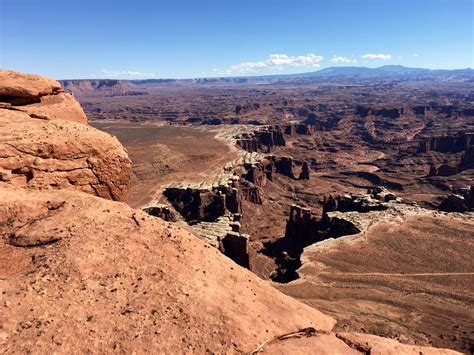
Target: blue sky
[(200, 38)]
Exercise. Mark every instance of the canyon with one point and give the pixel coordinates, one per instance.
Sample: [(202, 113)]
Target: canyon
[(279, 215), (302, 150)]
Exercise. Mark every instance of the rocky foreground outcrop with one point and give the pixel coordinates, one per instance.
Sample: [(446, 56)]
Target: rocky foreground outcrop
[(88, 273), (82, 274), (49, 150), (39, 97)]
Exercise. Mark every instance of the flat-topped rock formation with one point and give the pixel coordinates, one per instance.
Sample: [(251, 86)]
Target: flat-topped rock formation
[(450, 144), (447, 144), (103, 87), (14, 86), (341, 216), (262, 139), (265, 138), (417, 110)]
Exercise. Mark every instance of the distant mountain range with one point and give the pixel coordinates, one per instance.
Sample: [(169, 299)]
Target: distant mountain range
[(349, 74), (386, 70), (341, 75)]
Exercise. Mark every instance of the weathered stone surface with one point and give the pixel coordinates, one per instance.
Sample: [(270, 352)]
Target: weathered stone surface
[(461, 200), (445, 144), (359, 203), (250, 192), (134, 280), (262, 139), (372, 344), (137, 283), (162, 211), (42, 154), (386, 112), (14, 84), (80, 274), (454, 203), (62, 106), (38, 97), (236, 247), (467, 160), (198, 204)]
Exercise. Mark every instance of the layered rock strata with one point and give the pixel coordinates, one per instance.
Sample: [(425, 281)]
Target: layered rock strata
[(262, 139), (53, 151)]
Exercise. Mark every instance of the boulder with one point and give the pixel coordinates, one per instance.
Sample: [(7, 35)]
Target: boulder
[(38, 97), (14, 84), (454, 203)]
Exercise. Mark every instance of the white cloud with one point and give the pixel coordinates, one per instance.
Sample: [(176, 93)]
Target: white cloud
[(276, 61), (415, 55), (377, 56), (125, 74), (339, 59)]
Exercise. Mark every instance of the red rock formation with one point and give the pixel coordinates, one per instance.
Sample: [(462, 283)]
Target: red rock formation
[(248, 143), (263, 139), (445, 144), (246, 108), (461, 200), (304, 175), (41, 154), (393, 112), (102, 87), (15, 85), (290, 130), (139, 283), (467, 160), (38, 97), (42, 149), (250, 192)]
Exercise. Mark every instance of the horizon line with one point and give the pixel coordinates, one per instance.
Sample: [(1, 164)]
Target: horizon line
[(263, 75)]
